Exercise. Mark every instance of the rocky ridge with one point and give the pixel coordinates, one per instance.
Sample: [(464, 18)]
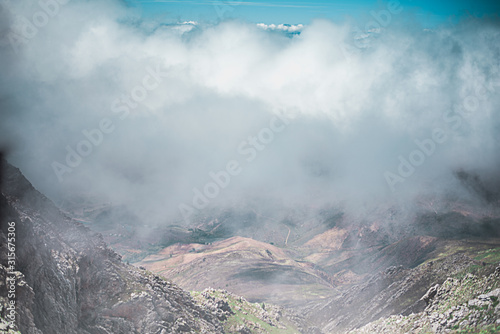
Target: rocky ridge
[(459, 305), (68, 281), (241, 316)]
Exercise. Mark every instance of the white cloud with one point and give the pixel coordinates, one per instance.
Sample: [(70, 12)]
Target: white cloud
[(352, 117), (291, 28)]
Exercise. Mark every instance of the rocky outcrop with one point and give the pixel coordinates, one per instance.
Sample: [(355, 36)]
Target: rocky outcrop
[(241, 316), (396, 290), (466, 305), (68, 281)]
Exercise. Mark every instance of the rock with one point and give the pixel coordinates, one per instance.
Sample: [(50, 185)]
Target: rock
[(81, 286), (455, 303)]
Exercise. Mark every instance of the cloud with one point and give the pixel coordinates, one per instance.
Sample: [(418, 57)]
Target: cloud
[(290, 28), (353, 111)]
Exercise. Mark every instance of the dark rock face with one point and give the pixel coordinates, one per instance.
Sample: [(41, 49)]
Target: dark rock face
[(68, 281)]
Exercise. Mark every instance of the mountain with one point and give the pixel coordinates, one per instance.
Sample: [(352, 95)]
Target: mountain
[(69, 281), (254, 269), (466, 305), (437, 272), (341, 274)]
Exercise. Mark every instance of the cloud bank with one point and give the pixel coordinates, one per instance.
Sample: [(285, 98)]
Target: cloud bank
[(98, 103)]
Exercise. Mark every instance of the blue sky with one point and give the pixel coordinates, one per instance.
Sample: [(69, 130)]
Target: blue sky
[(429, 13)]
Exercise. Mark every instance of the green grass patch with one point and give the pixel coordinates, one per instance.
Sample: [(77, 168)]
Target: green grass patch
[(489, 256), (495, 301)]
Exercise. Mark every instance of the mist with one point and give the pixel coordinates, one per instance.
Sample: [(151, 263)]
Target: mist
[(170, 118)]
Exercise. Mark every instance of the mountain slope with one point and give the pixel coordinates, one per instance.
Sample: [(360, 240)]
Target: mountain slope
[(257, 270), (68, 281), (459, 305), (349, 275)]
